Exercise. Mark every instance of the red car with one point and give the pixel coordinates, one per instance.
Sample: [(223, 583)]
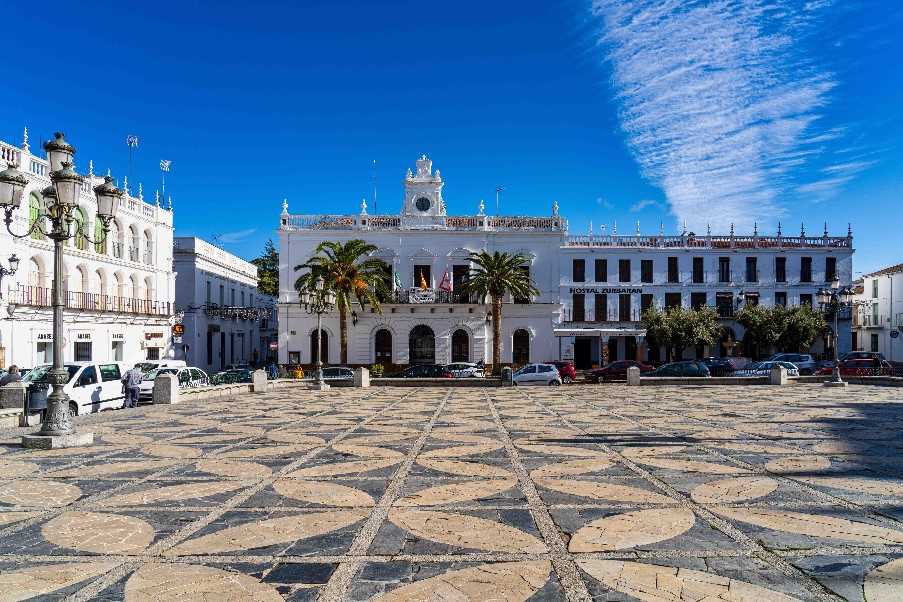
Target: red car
[(860, 367), (616, 371), (567, 371)]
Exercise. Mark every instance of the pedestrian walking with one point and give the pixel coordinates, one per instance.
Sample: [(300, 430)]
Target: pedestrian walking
[(131, 382), (12, 376)]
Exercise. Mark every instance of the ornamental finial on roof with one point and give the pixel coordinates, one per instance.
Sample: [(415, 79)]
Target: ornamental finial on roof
[(602, 230), (482, 208), (363, 206), (826, 230), (802, 230), (638, 227), (140, 191), (91, 167), (409, 175), (125, 185), (755, 228), (25, 146), (661, 228), (732, 229), (849, 230), (614, 228), (684, 231), (554, 208), (157, 198), (109, 173), (284, 206), (169, 203), (779, 229), (590, 229), (708, 229)]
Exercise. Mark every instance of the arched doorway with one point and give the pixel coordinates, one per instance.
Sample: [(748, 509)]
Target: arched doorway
[(520, 350), (422, 345), (460, 343), (324, 346), (382, 347)]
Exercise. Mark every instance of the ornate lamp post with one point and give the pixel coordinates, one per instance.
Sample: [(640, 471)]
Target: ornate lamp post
[(60, 202), (10, 271), (832, 300), (318, 300)]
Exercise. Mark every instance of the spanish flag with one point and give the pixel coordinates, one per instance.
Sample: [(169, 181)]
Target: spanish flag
[(423, 284)]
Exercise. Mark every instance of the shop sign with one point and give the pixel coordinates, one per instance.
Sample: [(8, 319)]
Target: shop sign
[(45, 336), (593, 290), (83, 336), (178, 330), (118, 336)]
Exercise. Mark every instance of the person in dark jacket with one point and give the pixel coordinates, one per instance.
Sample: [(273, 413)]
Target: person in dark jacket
[(12, 376)]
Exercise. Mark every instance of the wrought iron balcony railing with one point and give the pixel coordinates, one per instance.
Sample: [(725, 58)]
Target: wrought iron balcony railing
[(37, 296)]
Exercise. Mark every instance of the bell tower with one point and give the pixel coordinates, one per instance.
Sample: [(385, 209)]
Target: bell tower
[(423, 191)]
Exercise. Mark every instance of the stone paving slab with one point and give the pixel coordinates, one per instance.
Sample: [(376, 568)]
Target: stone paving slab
[(579, 493)]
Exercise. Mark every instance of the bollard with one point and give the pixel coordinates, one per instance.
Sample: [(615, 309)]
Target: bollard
[(633, 376), (166, 389), (778, 375), (361, 377), (259, 381), (507, 377)]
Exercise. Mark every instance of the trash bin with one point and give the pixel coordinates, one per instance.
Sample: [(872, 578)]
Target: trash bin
[(36, 398), (507, 378)]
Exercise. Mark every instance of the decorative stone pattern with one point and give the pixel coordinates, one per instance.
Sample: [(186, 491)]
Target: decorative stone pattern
[(578, 493)]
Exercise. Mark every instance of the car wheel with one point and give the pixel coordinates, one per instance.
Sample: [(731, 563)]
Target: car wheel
[(567, 380), (554, 383), (73, 408)]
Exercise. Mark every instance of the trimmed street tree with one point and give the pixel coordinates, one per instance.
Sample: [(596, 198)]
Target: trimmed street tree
[(351, 274), (763, 326), (493, 275), (800, 326), (678, 328)]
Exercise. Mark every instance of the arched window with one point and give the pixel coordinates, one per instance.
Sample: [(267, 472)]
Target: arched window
[(100, 239), (34, 214), (115, 238), (382, 347), (520, 350), (422, 345), (148, 247), (460, 344), (324, 346), (81, 242)]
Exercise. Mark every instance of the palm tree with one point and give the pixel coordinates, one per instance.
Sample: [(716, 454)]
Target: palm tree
[(494, 275), (351, 274)]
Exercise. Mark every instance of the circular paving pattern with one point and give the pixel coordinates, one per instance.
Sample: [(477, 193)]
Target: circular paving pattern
[(180, 582), (39, 493), (508, 581), (631, 529), (99, 533)]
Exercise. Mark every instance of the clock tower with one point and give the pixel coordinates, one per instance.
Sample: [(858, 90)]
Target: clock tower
[(423, 191)]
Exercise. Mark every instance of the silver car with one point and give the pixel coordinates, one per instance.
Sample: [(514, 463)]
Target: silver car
[(764, 369), (803, 361), (466, 370)]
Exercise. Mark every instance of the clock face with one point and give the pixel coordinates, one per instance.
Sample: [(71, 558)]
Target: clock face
[(422, 204)]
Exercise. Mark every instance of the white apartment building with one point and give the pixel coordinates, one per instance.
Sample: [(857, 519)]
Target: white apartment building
[(226, 319), (593, 288), (878, 313), (119, 292)]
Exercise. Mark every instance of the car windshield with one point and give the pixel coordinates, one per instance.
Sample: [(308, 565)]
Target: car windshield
[(39, 374), (146, 366), (152, 374)]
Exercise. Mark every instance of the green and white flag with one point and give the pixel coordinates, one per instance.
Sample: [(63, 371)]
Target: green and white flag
[(397, 281)]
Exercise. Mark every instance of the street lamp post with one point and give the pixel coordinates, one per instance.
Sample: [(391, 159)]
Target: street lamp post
[(10, 271), (60, 203), (318, 300), (834, 299)]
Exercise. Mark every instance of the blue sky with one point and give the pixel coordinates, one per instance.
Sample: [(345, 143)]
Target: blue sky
[(649, 110)]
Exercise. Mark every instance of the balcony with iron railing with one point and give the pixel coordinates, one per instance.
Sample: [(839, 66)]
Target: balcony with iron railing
[(869, 320), (37, 296)]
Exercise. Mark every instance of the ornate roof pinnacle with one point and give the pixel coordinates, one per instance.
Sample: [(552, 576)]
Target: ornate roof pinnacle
[(25, 146), (732, 229), (284, 206), (849, 230), (826, 230), (661, 228), (91, 167), (779, 229), (638, 227), (590, 229), (140, 191), (708, 229), (169, 203), (482, 208), (755, 228), (363, 206), (554, 208), (802, 230), (614, 228)]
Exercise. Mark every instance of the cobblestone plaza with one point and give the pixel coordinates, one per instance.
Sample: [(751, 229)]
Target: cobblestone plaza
[(572, 493)]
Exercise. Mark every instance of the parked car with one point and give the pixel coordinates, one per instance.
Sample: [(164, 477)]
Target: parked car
[(720, 366), (691, 368), (336, 373), (188, 378), (803, 361), (537, 374), (91, 387), (148, 365), (238, 366), (764, 369), (861, 355), (228, 377), (861, 367), (423, 371), (466, 370), (566, 370), (616, 370)]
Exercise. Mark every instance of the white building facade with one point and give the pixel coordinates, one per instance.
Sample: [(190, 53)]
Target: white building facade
[(227, 320), (119, 292), (878, 313), (593, 289)]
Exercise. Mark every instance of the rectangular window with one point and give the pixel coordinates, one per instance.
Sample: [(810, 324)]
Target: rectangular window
[(110, 372), (875, 288), (526, 270), (673, 271), (232, 298), (294, 357), (752, 270), (208, 292), (579, 305), (601, 307), (805, 269), (242, 298), (601, 270), (44, 353), (624, 306), (82, 351), (578, 270), (724, 304), (806, 299), (698, 300), (624, 270), (222, 294), (724, 269), (874, 314), (118, 350), (672, 300), (830, 268), (209, 347), (422, 276), (751, 299), (780, 299), (698, 270), (780, 269), (646, 270), (645, 302), (153, 353)]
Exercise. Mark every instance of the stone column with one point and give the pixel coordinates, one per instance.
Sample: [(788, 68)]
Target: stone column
[(166, 389)]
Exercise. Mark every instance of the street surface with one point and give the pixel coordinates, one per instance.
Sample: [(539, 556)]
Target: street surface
[(573, 493)]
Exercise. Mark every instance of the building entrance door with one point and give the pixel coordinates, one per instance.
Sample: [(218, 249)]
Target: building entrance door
[(382, 347), (422, 345), (583, 353)]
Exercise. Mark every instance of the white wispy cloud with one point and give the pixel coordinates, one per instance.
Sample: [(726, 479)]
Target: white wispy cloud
[(642, 204), (604, 203), (237, 236), (719, 102)]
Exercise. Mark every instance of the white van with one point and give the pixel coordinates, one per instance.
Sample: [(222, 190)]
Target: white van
[(92, 386)]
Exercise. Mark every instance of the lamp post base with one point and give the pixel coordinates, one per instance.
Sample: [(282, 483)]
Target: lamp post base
[(315, 386), (834, 383), (57, 441)]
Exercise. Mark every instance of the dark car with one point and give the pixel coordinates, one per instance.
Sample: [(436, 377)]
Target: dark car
[(336, 373), (861, 367), (230, 377), (566, 370), (616, 371), (423, 371), (691, 368), (720, 366)]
